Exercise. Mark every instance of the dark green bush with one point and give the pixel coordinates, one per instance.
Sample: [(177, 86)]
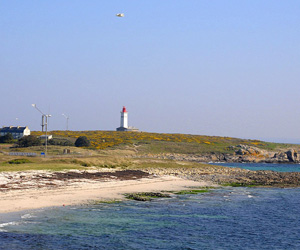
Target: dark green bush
[(28, 141), (19, 161), (8, 138), (82, 141), (60, 142)]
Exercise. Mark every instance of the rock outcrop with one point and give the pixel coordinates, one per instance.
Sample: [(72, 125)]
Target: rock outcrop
[(242, 153), (253, 154), (235, 176), (293, 156)]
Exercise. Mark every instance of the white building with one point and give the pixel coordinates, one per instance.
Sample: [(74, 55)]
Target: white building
[(16, 132), (43, 137), (124, 122)]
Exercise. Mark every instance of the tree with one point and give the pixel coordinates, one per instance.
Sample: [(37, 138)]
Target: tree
[(82, 141), (8, 138), (28, 141)]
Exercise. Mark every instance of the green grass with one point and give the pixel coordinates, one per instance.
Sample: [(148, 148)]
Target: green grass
[(160, 147), (217, 147), (52, 150), (169, 164), (38, 166)]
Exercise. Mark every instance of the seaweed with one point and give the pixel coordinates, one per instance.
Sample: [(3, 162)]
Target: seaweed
[(146, 196)]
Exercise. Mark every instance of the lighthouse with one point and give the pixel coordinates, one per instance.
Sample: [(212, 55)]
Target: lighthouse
[(124, 122), (124, 118)]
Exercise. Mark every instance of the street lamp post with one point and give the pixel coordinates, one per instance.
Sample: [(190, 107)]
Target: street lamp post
[(44, 124)]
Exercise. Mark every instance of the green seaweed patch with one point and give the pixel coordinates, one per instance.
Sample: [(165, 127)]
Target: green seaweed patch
[(19, 161), (147, 196), (192, 191), (238, 184)]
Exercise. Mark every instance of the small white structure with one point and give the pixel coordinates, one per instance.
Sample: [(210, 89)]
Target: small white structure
[(16, 132), (43, 137), (124, 122)]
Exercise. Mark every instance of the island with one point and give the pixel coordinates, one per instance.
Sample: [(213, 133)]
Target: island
[(115, 163)]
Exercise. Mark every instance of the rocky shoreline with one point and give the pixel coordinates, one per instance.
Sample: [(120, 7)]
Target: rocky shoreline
[(203, 172), (242, 154), (233, 176)]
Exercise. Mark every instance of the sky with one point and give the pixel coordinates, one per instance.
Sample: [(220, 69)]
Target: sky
[(220, 68)]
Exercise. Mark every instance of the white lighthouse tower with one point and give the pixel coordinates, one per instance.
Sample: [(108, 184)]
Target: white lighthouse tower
[(124, 118), (124, 122)]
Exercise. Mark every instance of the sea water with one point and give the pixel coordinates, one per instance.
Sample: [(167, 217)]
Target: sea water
[(263, 166), (224, 218)]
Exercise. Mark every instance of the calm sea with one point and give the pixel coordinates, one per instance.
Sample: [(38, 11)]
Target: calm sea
[(226, 218), (263, 166)]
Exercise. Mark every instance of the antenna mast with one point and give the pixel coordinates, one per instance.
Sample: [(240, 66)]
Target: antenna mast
[(67, 117)]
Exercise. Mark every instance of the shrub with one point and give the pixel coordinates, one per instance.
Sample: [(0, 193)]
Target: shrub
[(60, 142), (8, 138), (82, 141), (19, 161), (28, 141)]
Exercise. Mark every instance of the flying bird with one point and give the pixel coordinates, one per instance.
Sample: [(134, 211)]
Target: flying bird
[(120, 15)]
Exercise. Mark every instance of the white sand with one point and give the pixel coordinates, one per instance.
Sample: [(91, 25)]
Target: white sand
[(83, 192)]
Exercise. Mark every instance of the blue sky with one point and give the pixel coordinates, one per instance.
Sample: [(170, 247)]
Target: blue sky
[(227, 68)]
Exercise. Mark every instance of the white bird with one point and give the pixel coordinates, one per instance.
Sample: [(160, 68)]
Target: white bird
[(120, 15)]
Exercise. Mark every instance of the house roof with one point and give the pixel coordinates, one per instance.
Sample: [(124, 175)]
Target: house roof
[(12, 129)]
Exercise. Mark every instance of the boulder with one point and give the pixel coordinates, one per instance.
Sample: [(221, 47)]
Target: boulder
[(292, 155), (248, 150)]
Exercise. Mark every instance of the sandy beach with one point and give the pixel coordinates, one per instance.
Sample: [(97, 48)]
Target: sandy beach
[(31, 194)]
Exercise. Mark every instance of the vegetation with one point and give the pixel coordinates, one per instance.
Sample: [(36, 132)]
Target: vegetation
[(28, 141), (60, 142), (19, 161), (116, 149), (82, 141), (38, 165), (242, 184), (8, 138), (192, 191), (147, 196), (80, 159), (163, 143)]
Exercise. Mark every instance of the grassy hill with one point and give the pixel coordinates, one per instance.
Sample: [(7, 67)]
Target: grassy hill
[(165, 143), (111, 149)]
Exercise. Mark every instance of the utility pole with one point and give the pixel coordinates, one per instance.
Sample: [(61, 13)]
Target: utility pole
[(44, 124)]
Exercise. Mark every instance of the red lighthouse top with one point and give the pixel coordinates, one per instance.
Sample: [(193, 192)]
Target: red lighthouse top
[(124, 109)]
